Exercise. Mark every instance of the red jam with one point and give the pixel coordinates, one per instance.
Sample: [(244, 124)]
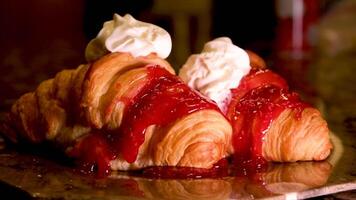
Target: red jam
[(254, 108), (94, 153), (163, 100), (255, 79)]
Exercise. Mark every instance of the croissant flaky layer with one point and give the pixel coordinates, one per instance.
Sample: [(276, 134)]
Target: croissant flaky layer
[(197, 140), (295, 138), (48, 112), (94, 98), (292, 139), (111, 78)]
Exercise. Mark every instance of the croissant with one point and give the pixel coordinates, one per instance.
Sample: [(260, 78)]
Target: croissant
[(272, 123), (122, 112)]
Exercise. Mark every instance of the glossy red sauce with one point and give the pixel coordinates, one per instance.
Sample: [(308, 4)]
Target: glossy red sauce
[(163, 100), (255, 105), (94, 154), (255, 79)]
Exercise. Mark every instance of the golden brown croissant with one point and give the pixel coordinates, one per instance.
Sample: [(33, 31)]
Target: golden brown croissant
[(289, 139), (94, 110), (272, 123)]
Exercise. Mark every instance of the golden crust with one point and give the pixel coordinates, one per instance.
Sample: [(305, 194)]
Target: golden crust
[(93, 97), (256, 61), (24, 120), (104, 73), (126, 86), (47, 113), (197, 140), (290, 139)]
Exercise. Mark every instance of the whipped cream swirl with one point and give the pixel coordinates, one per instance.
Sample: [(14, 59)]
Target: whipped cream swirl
[(216, 70), (126, 34)]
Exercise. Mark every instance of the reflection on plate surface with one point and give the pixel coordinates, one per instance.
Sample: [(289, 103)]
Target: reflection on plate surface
[(45, 178)]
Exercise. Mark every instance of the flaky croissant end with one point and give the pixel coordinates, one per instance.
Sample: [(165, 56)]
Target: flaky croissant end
[(290, 139)]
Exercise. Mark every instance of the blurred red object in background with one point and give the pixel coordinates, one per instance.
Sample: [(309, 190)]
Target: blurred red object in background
[(295, 38), (296, 25)]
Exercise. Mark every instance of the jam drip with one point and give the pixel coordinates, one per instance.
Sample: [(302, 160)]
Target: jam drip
[(163, 100), (94, 154), (261, 97)]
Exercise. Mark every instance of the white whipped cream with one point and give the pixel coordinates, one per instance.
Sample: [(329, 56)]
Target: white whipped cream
[(216, 70), (126, 34)]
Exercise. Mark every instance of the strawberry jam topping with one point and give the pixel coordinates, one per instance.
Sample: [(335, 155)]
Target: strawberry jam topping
[(163, 100), (94, 154), (256, 103)]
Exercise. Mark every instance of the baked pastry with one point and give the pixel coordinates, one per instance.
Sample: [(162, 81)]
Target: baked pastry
[(123, 112), (270, 122), (273, 123)]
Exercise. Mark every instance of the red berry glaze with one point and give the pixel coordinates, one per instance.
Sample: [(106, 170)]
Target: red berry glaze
[(260, 98), (163, 100)]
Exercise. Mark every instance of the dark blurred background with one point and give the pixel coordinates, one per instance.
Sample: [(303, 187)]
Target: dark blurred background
[(310, 42)]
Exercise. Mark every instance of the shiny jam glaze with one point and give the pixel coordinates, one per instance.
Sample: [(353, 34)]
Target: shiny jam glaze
[(254, 106), (163, 100), (94, 154), (255, 79)]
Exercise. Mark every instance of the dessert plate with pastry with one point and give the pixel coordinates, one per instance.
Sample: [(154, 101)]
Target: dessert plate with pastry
[(125, 118)]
